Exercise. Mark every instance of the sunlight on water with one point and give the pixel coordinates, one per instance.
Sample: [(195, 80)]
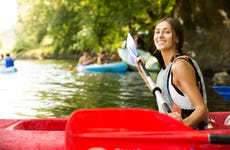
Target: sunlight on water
[(47, 89), (19, 91)]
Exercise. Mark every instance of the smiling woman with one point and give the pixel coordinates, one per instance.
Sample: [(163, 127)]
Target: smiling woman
[(8, 14)]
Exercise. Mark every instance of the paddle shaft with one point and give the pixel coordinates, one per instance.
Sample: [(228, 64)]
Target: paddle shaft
[(155, 90), (180, 136), (219, 138)]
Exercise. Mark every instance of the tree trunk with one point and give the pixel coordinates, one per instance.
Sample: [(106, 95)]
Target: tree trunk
[(207, 31)]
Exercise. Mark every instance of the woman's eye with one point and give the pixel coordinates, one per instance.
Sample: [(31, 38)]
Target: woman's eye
[(167, 32), (157, 32)]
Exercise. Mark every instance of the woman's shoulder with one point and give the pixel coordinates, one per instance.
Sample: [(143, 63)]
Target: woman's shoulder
[(182, 57), (182, 64)]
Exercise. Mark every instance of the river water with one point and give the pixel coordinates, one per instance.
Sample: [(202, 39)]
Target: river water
[(45, 88)]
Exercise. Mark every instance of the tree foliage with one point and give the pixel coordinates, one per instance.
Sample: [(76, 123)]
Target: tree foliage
[(71, 26)]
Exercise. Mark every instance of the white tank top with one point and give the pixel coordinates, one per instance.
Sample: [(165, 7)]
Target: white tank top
[(162, 84), (182, 99)]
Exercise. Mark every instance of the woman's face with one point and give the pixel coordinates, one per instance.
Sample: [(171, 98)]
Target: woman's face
[(163, 37)]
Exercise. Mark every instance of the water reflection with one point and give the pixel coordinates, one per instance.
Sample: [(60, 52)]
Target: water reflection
[(45, 88), (98, 90)]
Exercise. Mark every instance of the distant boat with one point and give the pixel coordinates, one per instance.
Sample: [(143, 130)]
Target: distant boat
[(151, 62), (8, 70), (108, 67), (223, 91)]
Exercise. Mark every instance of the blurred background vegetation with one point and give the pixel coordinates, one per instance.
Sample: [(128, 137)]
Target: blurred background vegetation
[(64, 28)]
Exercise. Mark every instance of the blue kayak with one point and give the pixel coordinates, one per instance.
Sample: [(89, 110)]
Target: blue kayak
[(223, 91), (8, 70), (109, 67)]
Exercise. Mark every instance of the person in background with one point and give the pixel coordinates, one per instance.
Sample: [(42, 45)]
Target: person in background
[(139, 41), (2, 57), (2, 62), (9, 61), (180, 78), (115, 57), (85, 59), (101, 58)]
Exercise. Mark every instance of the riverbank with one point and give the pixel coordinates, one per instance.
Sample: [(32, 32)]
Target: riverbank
[(44, 54)]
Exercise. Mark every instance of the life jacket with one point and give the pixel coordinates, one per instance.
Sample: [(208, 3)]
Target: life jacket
[(173, 90), (180, 98), (9, 62)]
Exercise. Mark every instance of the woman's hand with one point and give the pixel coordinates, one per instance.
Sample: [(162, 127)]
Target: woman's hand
[(138, 59), (176, 116)]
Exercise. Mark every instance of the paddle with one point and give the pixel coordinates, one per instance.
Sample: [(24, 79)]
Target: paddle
[(131, 48), (135, 128)]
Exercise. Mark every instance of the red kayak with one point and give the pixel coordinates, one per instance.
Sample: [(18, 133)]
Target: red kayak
[(118, 128)]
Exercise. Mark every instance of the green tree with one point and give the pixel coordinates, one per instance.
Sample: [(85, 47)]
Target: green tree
[(75, 25)]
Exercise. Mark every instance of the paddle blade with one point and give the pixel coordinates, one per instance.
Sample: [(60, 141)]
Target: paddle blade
[(118, 120), (131, 49)]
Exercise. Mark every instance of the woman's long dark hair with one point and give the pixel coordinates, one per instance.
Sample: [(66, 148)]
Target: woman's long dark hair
[(179, 33)]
